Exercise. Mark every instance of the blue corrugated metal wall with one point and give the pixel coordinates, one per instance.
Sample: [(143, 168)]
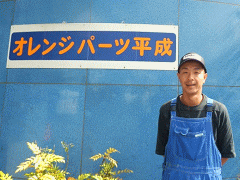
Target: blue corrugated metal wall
[(98, 109)]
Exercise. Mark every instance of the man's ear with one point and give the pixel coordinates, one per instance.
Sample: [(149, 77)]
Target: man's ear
[(205, 77), (178, 75)]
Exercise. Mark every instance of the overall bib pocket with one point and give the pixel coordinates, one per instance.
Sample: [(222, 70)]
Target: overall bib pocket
[(189, 145)]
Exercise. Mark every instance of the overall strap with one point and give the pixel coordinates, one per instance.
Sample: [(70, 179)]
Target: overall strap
[(209, 107), (173, 107)]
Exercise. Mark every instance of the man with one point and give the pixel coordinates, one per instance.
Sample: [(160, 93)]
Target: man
[(194, 131)]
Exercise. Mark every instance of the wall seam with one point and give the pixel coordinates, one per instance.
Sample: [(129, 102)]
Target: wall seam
[(90, 18), (85, 101), (94, 84), (5, 83), (99, 84), (84, 117), (7, 0), (178, 84), (218, 2), (13, 12)]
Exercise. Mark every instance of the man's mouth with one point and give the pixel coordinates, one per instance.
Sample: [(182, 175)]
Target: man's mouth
[(190, 85)]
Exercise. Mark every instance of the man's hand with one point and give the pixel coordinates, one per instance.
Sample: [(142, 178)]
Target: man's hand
[(224, 160)]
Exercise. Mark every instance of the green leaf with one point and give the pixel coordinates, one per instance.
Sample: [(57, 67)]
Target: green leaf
[(24, 165), (5, 176), (96, 177), (96, 157), (111, 160), (124, 171), (83, 176), (47, 177), (110, 151), (33, 146), (33, 178)]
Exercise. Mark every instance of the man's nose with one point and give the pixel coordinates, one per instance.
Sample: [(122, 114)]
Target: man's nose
[(190, 76)]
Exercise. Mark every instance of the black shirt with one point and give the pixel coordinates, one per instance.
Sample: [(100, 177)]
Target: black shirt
[(222, 130)]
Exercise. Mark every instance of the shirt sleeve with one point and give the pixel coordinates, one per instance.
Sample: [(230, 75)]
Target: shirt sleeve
[(163, 130), (225, 142)]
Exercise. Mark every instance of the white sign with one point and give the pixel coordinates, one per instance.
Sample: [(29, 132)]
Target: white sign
[(94, 45)]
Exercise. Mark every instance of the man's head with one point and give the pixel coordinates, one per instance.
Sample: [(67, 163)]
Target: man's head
[(192, 57), (192, 73)]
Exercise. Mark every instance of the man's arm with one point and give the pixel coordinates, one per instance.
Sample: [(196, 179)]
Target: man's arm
[(163, 128), (224, 136), (224, 160)]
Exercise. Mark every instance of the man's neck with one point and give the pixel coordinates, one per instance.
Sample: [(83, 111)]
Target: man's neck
[(193, 100)]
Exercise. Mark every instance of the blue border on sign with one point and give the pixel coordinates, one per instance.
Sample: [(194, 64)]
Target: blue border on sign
[(138, 48)]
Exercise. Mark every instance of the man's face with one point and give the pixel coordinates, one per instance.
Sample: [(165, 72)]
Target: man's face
[(192, 77)]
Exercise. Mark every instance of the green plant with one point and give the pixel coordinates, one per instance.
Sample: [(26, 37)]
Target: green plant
[(45, 164), (5, 176), (107, 167), (66, 149)]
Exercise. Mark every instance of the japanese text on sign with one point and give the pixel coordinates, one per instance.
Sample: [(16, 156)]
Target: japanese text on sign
[(119, 46)]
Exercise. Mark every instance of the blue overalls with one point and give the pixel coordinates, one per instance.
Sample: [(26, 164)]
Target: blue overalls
[(191, 152)]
